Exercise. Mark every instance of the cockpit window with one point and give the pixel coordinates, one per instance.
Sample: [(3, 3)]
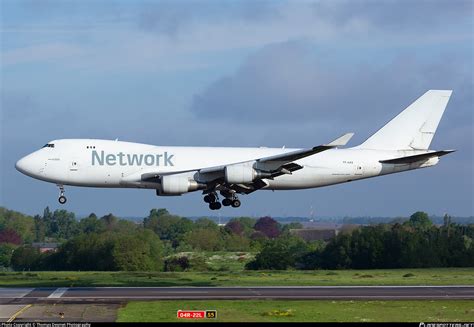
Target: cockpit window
[(49, 145)]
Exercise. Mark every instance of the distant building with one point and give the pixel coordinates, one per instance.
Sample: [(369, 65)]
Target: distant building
[(46, 247), (313, 234)]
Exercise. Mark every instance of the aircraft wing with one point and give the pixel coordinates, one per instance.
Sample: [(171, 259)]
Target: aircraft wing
[(299, 154), (271, 167), (288, 157)]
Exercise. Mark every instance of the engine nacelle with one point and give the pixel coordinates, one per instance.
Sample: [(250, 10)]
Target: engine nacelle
[(177, 185), (242, 174)]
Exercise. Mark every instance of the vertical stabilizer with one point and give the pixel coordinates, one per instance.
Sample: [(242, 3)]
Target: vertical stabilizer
[(414, 127)]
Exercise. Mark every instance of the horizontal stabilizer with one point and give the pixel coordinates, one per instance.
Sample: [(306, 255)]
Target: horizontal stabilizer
[(417, 157)]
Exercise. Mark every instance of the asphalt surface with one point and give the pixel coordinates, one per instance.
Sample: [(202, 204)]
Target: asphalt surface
[(12, 296)]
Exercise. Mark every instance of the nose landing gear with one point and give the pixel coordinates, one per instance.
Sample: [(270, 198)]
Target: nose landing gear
[(62, 199)]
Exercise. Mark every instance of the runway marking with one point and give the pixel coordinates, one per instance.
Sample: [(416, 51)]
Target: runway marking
[(16, 314), (58, 293), (17, 292)]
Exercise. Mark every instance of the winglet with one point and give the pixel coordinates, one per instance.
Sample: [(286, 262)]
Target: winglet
[(341, 141)]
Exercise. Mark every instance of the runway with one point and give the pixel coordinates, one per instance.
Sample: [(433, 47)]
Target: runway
[(125, 294)]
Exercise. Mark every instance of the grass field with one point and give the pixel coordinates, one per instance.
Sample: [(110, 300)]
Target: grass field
[(304, 311), (435, 276)]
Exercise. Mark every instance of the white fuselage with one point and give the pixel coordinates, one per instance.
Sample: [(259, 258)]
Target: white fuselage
[(105, 163)]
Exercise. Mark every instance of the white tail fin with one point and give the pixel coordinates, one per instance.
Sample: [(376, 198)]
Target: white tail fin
[(414, 127)]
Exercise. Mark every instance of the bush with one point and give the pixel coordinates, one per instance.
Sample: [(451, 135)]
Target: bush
[(280, 254), (25, 258), (177, 264), (198, 263)]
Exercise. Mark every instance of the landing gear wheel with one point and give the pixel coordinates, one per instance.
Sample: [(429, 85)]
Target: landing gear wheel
[(62, 199), (236, 203), (226, 202), (215, 206), (210, 198)]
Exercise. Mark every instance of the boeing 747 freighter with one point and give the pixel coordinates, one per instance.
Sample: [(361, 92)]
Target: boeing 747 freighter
[(401, 145)]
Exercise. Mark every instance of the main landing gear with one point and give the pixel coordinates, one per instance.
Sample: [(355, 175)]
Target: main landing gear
[(213, 200), (214, 204), (62, 199)]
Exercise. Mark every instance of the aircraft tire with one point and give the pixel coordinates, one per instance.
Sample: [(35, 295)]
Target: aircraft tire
[(236, 203), (215, 205)]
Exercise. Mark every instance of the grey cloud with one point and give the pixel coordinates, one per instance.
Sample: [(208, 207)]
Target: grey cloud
[(288, 82), (172, 17), (290, 87), (396, 15)]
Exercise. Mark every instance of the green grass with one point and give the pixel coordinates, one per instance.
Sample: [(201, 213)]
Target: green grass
[(301, 311), (435, 276)]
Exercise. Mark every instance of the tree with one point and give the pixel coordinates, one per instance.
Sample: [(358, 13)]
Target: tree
[(247, 224), (235, 242), (280, 254), (91, 224), (40, 228), (285, 228), (204, 239), (420, 220), (234, 227), (10, 236), (205, 223), (167, 226), (6, 251), (50, 227), (67, 225), (109, 221), (25, 258), (268, 226), (138, 252), (23, 225)]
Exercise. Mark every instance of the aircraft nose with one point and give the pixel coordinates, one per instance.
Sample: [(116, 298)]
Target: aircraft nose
[(26, 165), (21, 165)]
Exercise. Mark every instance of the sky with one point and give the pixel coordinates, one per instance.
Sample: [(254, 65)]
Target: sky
[(236, 73)]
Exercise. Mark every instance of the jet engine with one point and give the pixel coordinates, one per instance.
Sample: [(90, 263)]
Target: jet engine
[(243, 173), (177, 185)]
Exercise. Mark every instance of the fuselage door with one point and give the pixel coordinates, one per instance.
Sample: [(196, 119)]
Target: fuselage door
[(358, 169), (73, 166)]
